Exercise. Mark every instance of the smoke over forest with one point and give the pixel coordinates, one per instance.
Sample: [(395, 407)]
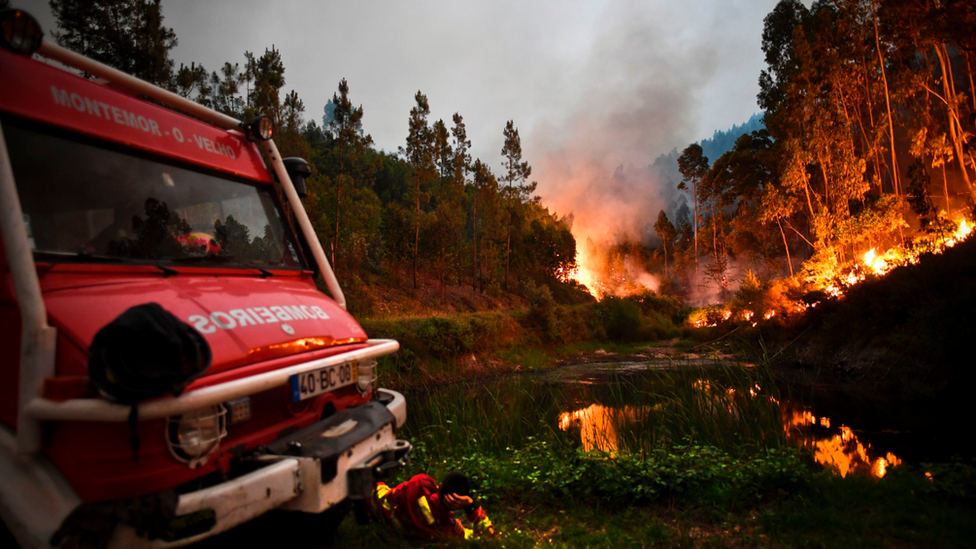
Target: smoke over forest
[(640, 99)]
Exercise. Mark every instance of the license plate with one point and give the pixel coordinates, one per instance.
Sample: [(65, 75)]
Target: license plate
[(309, 384)]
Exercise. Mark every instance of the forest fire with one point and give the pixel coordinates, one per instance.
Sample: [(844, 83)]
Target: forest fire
[(881, 264), (584, 273), (836, 281), (610, 271)]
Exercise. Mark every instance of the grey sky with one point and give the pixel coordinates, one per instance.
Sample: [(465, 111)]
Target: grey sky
[(591, 84), (544, 64)]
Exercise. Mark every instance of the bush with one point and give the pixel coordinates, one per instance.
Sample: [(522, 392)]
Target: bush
[(542, 312), (620, 318), (447, 337)]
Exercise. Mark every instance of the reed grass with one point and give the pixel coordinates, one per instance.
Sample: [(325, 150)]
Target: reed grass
[(729, 407)]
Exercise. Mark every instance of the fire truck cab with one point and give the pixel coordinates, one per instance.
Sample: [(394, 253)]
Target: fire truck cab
[(116, 193)]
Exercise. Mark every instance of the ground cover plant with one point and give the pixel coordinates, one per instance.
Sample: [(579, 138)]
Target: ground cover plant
[(698, 458)]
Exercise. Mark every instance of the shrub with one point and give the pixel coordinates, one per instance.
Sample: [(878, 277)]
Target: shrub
[(621, 319), (541, 316)]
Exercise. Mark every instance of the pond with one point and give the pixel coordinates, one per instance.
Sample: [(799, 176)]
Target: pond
[(638, 406)]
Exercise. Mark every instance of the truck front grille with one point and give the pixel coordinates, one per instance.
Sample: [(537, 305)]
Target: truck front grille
[(267, 408)]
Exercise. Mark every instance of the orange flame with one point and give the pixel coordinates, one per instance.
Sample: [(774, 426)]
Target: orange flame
[(836, 281)]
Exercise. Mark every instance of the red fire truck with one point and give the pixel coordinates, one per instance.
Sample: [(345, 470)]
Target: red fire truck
[(115, 193)]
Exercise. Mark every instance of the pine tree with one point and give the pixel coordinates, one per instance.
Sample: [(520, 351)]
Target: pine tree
[(226, 90), (516, 173), (125, 34), (346, 128), (268, 72), (419, 153), (290, 140), (460, 166)]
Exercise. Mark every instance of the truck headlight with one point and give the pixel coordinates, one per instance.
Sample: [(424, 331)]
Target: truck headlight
[(367, 375), (193, 436)]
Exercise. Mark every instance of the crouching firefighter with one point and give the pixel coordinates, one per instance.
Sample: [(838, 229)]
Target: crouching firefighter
[(419, 506)]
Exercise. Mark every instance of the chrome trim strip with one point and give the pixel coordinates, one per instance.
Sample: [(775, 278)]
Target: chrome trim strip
[(93, 409)]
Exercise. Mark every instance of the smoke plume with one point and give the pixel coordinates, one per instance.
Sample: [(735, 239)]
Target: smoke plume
[(638, 97)]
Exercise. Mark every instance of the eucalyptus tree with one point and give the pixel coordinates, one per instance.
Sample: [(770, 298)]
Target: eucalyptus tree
[(693, 165), (666, 232), (932, 53)]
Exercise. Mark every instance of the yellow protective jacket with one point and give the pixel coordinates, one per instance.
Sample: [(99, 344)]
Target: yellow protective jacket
[(415, 506)]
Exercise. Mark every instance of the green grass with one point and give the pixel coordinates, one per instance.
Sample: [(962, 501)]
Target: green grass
[(903, 509), (697, 467)]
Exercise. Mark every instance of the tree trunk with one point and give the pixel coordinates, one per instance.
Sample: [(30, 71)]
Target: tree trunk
[(335, 245), (508, 240), (694, 193), (868, 143), (786, 245), (945, 187), (666, 260), (884, 80), (474, 243), (714, 234), (955, 128), (972, 87), (416, 239)]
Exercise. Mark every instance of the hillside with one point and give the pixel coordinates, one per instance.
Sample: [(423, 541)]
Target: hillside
[(907, 335)]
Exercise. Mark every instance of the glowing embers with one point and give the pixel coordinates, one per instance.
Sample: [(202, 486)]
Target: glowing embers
[(835, 279), (598, 425), (880, 264), (838, 448), (301, 345)]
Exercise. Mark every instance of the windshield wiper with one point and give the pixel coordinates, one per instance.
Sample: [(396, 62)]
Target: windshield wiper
[(83, 256), (202, 258), (221, 259)]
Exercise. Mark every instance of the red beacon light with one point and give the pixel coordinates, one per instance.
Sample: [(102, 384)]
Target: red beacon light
[(21, 32)]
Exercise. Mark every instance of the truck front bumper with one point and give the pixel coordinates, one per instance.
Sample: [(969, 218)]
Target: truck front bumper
[(308, 471)]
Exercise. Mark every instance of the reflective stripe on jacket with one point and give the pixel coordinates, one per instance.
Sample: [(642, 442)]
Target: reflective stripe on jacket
[(415, 506)]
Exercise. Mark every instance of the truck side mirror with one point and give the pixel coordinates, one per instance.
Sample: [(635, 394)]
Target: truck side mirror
[(298, 169)]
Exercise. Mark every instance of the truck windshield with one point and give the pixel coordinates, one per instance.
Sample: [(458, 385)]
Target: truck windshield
[(93, 203)]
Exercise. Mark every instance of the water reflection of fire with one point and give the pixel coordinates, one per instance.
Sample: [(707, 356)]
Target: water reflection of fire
[(598, 425), (841, 450)]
